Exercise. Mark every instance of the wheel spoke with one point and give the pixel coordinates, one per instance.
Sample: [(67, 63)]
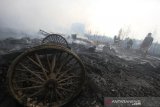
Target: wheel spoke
[(24, 70), (28, 88), (32, 72), (46, 96), (60, 54), (48, 61), (36, 63), (64, 89), (68, 78), (53, 64), (31, 80), (23, 97), (62, 64), (51, 97), (39, 61), (34, 94), (59, 94), (68, 60), (65, 72), (70, 83)]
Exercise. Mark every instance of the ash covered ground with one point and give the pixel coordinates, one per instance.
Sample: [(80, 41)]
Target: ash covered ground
[(112, 72)]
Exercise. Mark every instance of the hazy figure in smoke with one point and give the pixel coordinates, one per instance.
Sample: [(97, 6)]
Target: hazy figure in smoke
[(129, 44), (116, 40), (147, 42)]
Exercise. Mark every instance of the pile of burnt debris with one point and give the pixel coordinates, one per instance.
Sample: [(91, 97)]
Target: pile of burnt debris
[(111, 74), (12, 44), (108, 74)]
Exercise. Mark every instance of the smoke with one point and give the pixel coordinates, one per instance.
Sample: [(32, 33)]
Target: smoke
[(21, 17), (78, 28), (31, 15)]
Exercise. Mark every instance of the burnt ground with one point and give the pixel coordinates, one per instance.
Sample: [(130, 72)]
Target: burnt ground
[(109, 74)]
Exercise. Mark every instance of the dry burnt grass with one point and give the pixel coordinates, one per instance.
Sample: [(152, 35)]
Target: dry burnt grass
[(106, 76)]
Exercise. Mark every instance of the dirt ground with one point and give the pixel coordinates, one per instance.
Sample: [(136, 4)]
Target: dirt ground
[(108, 75)]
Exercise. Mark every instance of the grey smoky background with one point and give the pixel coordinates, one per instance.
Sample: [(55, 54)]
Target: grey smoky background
[(104, 17)]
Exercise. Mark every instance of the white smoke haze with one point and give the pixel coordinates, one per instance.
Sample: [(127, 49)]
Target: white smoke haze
[(98, 16)]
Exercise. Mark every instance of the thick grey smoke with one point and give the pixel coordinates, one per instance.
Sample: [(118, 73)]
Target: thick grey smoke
[(78, 28), (26, 17), (22, 17)]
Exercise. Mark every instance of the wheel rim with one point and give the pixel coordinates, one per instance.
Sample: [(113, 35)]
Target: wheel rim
[(56, 39), (46, 76)]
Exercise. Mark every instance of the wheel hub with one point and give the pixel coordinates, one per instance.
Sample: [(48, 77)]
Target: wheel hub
[(51, 84)]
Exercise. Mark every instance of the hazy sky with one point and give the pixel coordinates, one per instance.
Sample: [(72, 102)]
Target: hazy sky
[(98, 16)]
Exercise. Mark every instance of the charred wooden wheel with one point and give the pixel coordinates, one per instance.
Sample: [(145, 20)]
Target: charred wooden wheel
[(46, 76), (56, 39)]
